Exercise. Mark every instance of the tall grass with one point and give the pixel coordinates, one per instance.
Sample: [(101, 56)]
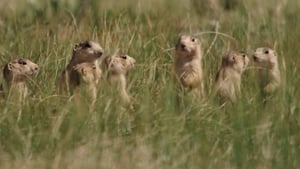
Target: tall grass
[(50, 131)]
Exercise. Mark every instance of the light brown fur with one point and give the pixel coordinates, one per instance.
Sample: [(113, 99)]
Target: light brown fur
[(118, 66), (90, 75), (228, 79), (83, 52), (266, 58), (187, 64), (16, 73)]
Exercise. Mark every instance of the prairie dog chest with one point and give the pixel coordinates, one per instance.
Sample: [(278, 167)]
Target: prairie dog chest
[(189, 66)]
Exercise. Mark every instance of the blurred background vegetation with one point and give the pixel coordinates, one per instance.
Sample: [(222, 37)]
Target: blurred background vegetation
[(49, 131)]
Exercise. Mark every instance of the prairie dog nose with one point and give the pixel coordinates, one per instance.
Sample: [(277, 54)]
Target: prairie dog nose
[(98, 53), (255, 57), (182, 46)]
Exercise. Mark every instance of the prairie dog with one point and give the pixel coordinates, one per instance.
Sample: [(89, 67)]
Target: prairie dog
[(118, 66), (266, 58), (187, 64), (228, 79), (16, 73), (90, 75), (83, 52)]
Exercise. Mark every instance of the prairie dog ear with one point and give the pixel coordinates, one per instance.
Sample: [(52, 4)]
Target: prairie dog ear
[(275, 53), (10, 66), (77, 46)]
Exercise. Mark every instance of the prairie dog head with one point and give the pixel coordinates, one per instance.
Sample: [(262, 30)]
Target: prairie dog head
[(19, 70), (86, 51), (265, 57), (188, 46), (88, 71), (119, 64), (235, 60)]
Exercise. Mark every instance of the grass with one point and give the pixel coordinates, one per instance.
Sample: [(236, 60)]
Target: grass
[(49, 131)]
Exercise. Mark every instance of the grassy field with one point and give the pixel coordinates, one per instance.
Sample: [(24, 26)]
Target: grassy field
[(49, 131)]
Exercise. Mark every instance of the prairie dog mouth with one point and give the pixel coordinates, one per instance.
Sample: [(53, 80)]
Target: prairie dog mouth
[(32, 72)]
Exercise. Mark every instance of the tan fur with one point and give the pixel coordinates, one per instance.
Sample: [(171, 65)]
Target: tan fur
[(266, 58), (90, 75), (16, 73), (187, 64), (83, 52), (228, 79), (118, 66)]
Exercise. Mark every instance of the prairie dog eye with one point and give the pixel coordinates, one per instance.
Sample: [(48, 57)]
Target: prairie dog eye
[(266, 51), (22, 62), (86, 45), (193, 39), (243, 53), (123, 56)]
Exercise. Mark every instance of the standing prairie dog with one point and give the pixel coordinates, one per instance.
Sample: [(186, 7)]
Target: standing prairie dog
[(90, 75), (187, 64), (266, 58), (83, 52), (16, 73), (118, 66), (228, 79)]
